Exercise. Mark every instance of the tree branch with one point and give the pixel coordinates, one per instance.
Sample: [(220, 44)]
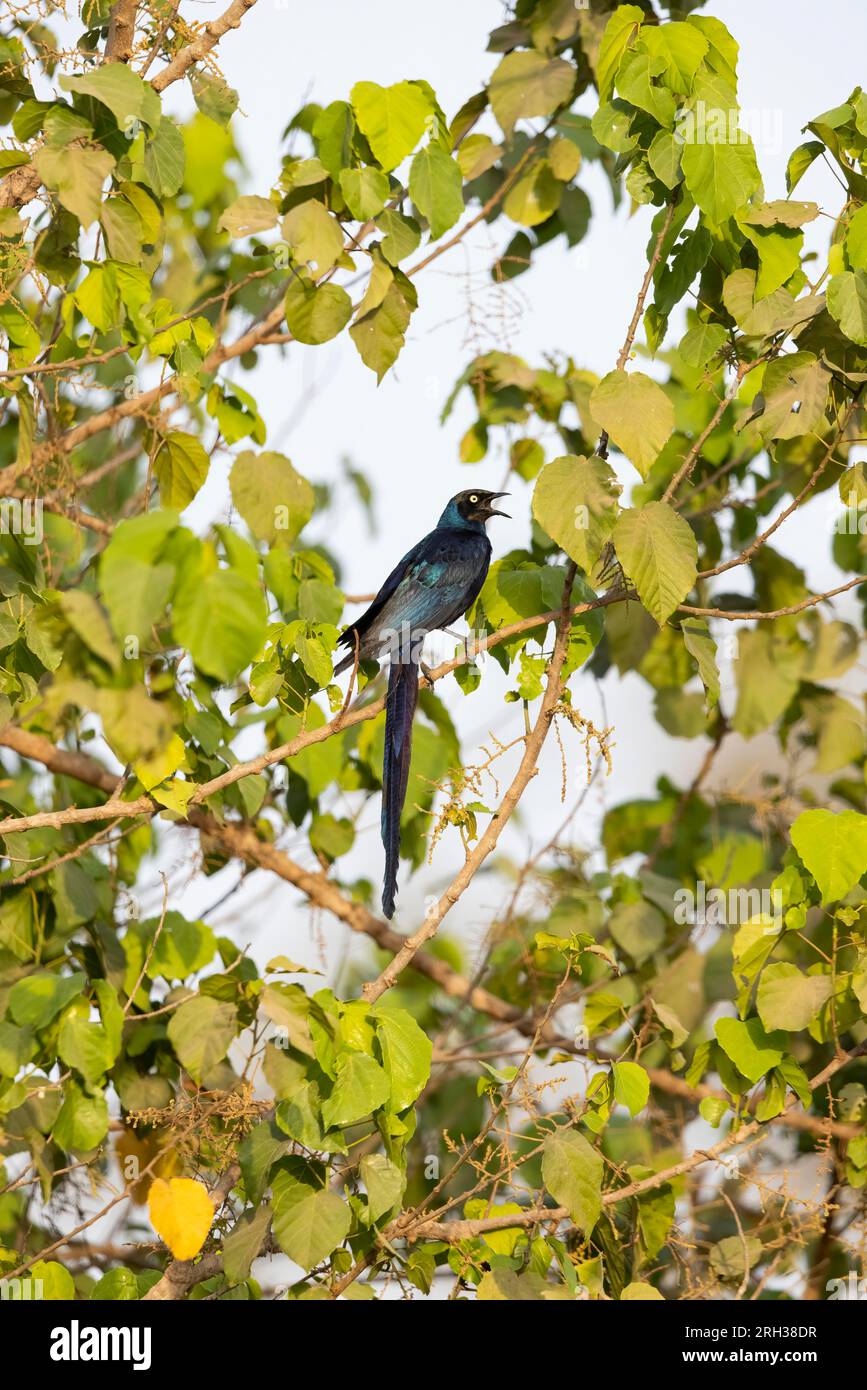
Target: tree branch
[(121, 32), (202, 45)]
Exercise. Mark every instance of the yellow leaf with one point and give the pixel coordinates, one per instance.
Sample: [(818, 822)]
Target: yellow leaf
[(181, 1213), (151, 771)]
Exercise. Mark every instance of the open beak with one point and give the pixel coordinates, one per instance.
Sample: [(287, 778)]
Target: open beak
[(492, 511)]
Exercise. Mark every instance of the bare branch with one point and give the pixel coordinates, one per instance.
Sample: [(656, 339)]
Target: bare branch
[(121, 32), (203, 44)]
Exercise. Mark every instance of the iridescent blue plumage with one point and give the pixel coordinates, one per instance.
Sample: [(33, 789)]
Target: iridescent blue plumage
[(433, 585)]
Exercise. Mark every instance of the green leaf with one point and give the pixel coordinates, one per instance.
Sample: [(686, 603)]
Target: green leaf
[(393, 119), (700, 344), (300, 1116), (84, 1045), (333, 130), (87, 620), (406, 1054), (328, 834), (315, 236), (620, 31), (248, 215), (98, 299), (273, 498), (311, 1225), (847, 303), (82, 1123), (832, 845), (17, 1047), (664, 158), (124, 230), (508, 1286), (319, 602), (713, 1109), (534, 197), (365, 191), (360, 1087), (720, 176), (794, 394), (658, 551), (636, 413), (768, 671), (733, 1257), (401, 235), (640, 1292), (111, 1014), (612, 126), (38, 999), (213, 96), (529, 84), (856, 239), (76, 174), (181, 466), (572, 1172), (702, 648), (436, 188), (257, 1154), (789, 999), (117, 1286), (638, 929), (135, 726), (800, 161), (382, 317), (201, 1031), (316, 315), (243, 1243), (576, 502), (165, 159), (753, 1051), (116, 86), (681, 48), (636, 84), (220, 618), (181, 949), (55, 1280), (384, 1182), (631, 1085), (135, 587)]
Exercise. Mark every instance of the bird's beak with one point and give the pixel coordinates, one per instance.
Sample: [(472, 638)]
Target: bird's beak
[(492, 511)]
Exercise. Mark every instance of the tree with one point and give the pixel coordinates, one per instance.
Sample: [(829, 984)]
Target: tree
[(513, 1124)]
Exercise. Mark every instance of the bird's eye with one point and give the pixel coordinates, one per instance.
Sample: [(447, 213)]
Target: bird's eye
[(474, 498)]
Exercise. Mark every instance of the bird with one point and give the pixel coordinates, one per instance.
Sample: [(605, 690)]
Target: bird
[(433, 585)]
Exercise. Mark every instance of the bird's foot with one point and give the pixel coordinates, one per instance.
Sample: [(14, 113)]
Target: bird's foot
[(427, 673)]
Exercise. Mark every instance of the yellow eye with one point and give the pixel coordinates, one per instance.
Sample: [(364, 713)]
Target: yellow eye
[(474, 498)]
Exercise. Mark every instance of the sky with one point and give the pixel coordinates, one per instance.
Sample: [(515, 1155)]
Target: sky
[(322, 405)]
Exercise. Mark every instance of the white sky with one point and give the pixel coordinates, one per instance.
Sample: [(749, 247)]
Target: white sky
[(578, 302)]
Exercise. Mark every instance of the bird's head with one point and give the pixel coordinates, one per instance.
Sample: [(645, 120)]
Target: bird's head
[(475, 505)]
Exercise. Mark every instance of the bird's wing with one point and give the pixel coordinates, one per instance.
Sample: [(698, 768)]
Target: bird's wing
[(369, 616), (433, 584)]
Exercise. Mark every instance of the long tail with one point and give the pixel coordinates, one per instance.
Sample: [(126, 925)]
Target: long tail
[(399, 711)]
